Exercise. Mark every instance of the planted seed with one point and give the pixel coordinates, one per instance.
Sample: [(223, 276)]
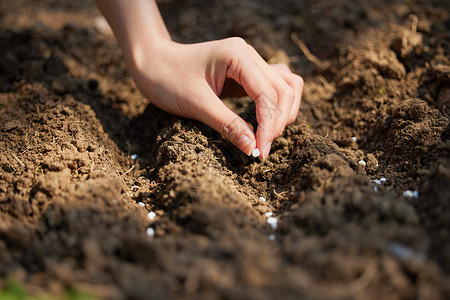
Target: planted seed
[(150, 231), (256, 152), (273, 222), (262, 199), (133, 156), (362, 163), (141, 204), (151, 215)]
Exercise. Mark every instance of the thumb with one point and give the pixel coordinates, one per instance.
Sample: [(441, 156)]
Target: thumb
[(217, 115)]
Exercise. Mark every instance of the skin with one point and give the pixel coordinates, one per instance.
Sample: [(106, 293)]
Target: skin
[(187, 79)]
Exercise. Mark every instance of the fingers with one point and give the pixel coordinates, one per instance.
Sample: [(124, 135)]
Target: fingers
[(276, 91), (296, 83), (214, 113)]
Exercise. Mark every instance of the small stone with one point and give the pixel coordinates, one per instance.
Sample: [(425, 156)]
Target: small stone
[(256, 152)]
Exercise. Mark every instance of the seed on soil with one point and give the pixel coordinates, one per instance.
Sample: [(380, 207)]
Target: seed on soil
[(262, 199), (377, 181), (354, 138), (256, 152), (411, 194), (151, 215), (404, 252), (382, 179), (362, 163), (150, 231), (141, 204), (272, 237), (133, 156), (134, 187), (269, 213), (273, 222)]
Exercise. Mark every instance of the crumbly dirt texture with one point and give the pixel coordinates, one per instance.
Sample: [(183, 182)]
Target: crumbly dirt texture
[(376, 105)]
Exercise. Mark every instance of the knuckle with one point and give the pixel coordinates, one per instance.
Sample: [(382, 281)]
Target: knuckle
[(236, 43), (288, 93), (228, 128), (299, 82)]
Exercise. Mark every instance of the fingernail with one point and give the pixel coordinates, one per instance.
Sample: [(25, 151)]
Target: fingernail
[(247, 143), (266, 151)]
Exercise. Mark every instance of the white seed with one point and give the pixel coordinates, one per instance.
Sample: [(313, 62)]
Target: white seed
[(408, 194), (272, 221), (354, 138), (141, 204), (382, 179), (151, 215), (416, 194), (150, 231), (362, 163), (272, 237), (133, 156), (377, 181), (269, 213), (262, 199), (134, 187), (256, 152)]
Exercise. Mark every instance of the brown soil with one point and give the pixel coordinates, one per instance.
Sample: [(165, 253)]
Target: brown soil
[(70, 118)]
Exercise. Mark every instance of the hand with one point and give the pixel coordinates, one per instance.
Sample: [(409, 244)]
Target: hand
[(186, 80)]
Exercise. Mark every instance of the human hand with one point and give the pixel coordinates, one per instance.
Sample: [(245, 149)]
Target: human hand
[(187, 79)]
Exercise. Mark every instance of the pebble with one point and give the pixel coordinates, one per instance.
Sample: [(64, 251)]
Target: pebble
[(133, 156), (262, 199), (362, 163), (151, 215), (269, 213), (272, 237), (354, 138), (141, 204), (272, 221), (256, 152), (150, 231)]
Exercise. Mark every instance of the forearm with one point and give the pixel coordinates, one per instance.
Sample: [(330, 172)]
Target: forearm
[(137, 25)]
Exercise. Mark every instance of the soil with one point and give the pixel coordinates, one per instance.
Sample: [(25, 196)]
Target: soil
[(376, 105)]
